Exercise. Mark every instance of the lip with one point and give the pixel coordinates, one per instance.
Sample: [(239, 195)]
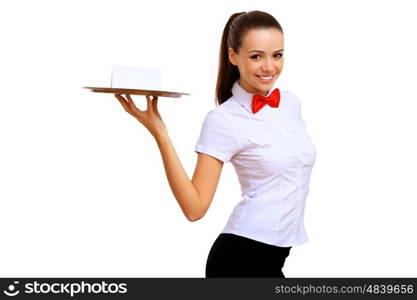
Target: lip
[(265, 81)]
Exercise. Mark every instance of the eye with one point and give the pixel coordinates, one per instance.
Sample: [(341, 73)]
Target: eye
[(279, 55)]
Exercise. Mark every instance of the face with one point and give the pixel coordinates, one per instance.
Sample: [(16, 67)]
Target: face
[(259, 59)]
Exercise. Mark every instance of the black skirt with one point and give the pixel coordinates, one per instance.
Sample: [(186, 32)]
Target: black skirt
[(237, 256)]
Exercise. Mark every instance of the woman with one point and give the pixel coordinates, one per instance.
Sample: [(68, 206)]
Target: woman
[(260, 130)]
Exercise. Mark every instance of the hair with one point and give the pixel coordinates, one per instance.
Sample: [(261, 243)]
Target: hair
[(235, 30)]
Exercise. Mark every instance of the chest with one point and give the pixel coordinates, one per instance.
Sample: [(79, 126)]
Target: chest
[(274, 144)]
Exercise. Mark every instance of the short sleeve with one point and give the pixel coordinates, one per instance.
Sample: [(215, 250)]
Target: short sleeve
[(217, 137)]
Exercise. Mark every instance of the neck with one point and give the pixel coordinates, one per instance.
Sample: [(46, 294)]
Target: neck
[(251, 92)]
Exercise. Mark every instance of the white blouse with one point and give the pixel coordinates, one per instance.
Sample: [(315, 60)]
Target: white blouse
[(273, 157)]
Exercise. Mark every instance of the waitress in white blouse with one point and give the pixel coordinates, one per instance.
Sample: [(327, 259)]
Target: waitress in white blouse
[(260, 130)]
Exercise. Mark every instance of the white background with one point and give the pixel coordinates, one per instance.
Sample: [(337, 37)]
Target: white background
[(83, 188)]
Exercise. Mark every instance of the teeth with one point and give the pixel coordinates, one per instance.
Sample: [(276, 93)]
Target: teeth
[(265, 77)]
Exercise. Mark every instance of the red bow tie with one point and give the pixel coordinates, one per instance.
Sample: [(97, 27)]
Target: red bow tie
[(258, 101)]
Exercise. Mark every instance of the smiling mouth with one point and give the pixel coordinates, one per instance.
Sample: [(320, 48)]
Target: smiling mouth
[(265, 78)]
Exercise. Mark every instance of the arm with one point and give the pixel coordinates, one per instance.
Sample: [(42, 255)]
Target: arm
[(194, 196)]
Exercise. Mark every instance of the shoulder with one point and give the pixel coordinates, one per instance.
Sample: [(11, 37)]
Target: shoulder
[(291, 96), (223, 113), (230, 106), (216, 118), (290, 100)]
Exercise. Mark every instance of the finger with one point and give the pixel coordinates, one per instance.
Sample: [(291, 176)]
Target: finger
[(122, 101), (155, 104), (120, 97), (156, 111), (131, 103), (129, 98), (149, 103)]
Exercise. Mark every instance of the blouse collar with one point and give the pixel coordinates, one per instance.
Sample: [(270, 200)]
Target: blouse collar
[(244, 97)]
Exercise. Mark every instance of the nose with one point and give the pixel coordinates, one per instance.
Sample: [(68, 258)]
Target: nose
[(268, 66)]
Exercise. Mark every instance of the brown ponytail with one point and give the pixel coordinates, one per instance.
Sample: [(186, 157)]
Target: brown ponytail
[(233, 33)]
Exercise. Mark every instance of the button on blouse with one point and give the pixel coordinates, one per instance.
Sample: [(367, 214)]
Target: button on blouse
[(273, 157)]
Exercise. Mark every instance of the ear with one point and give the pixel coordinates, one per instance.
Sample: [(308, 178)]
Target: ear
[(232, 56)]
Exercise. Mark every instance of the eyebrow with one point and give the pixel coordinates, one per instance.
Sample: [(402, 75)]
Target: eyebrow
[(264, 51)]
